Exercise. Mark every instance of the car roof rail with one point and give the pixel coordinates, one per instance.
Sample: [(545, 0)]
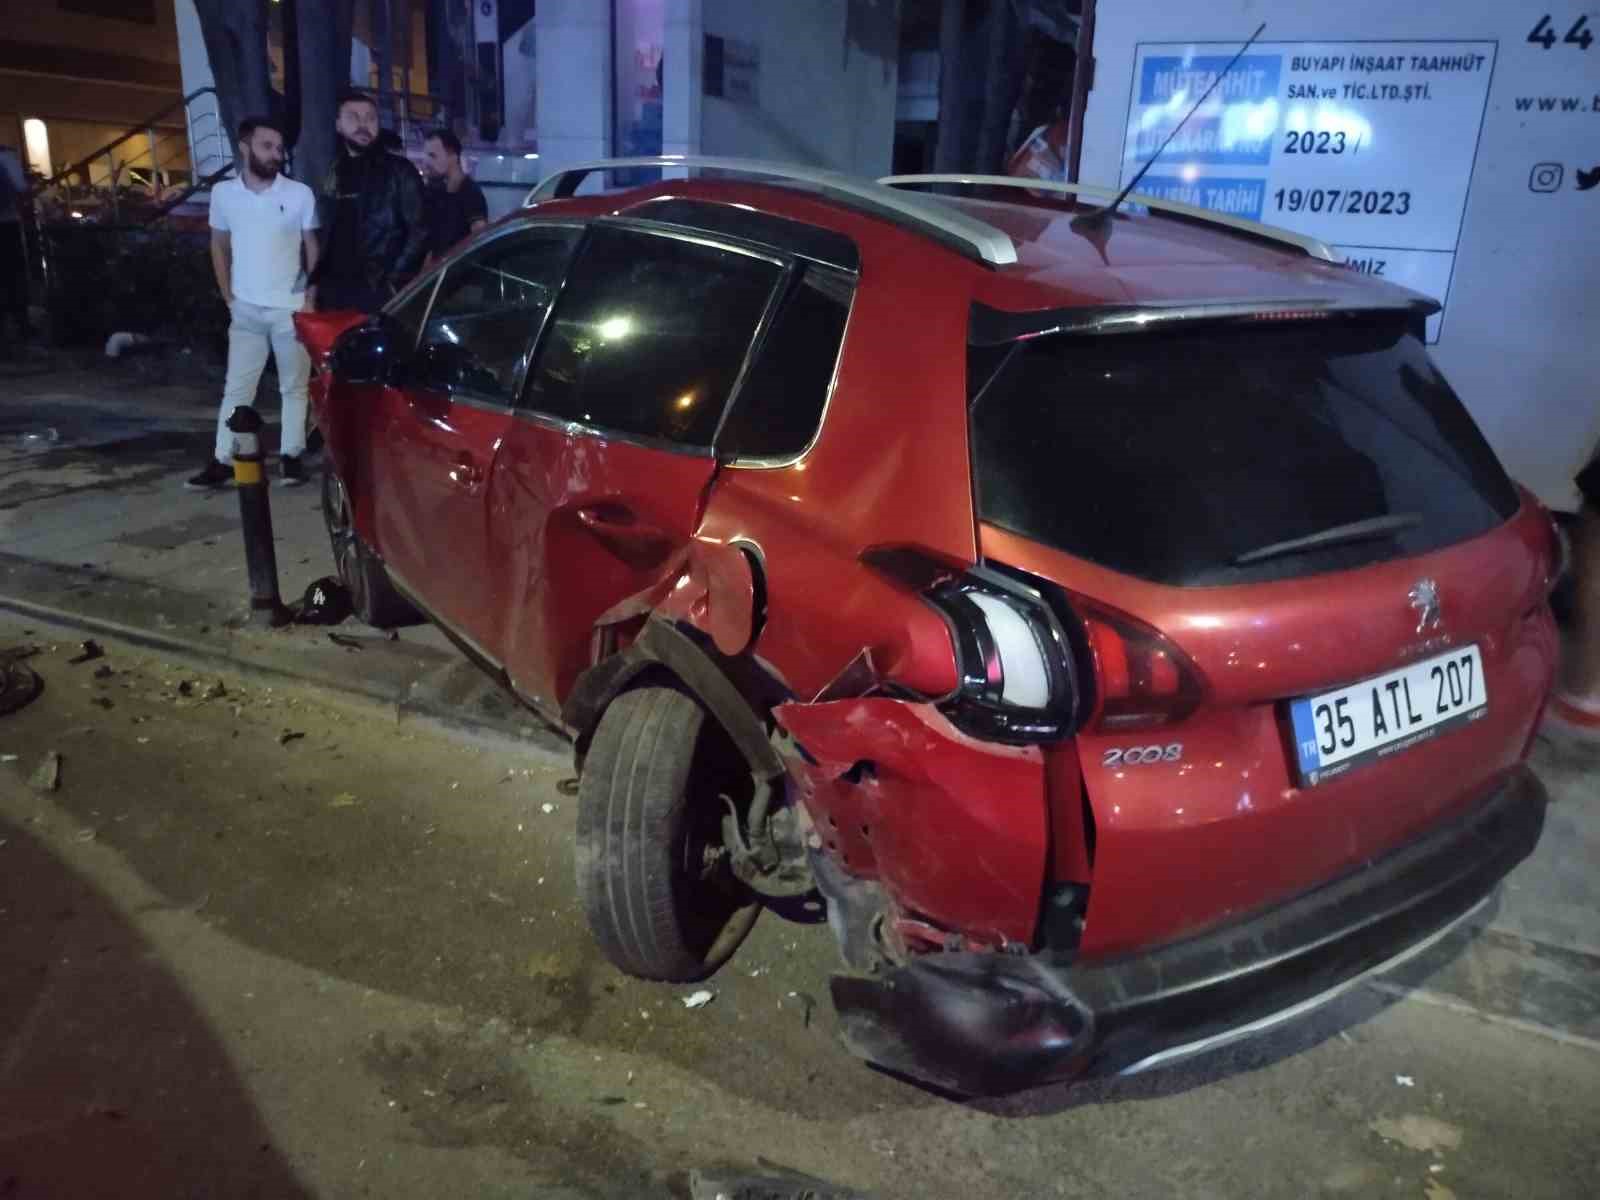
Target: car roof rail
[(925, 215), (1306, 244)]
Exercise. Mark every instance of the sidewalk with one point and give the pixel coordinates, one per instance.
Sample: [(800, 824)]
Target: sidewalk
[(97, 534)]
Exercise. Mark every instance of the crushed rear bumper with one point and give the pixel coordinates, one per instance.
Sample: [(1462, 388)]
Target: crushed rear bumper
[(985, 1023)]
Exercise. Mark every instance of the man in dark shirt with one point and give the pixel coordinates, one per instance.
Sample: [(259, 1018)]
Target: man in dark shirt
[(455, 204), (373, 216)]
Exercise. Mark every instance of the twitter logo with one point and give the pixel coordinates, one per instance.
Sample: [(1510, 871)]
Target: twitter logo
[(1587, 179)]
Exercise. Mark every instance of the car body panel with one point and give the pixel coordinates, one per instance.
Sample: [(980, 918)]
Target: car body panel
[(824, 607), (951, 825), (579, 522), (430, 498)]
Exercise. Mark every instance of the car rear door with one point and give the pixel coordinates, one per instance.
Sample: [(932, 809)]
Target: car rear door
[(453, 407), (605, 469)]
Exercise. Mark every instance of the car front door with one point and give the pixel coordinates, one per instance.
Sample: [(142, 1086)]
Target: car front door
[(453, 406), (605, 469)]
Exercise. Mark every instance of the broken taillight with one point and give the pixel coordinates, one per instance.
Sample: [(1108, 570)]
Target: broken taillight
[(1018, 678), (1143, 679)]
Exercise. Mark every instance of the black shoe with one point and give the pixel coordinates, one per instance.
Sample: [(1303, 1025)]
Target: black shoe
[(293, 473), (215, 477), (313, 440)]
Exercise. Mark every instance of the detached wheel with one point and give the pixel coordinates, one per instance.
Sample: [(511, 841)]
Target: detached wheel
[(372, 596), (655, 885)]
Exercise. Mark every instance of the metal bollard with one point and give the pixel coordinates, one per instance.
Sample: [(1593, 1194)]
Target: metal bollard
[(266, 608)]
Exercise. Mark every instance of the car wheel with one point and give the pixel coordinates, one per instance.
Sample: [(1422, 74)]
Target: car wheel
[(652, 874), (372, 597)]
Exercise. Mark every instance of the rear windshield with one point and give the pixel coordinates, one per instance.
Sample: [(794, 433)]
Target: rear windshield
[(1231, 454)]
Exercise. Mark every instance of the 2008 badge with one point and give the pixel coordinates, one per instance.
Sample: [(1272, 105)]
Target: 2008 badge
[(1141, 756)]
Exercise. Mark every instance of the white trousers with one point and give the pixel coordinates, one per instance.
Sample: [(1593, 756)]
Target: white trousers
[(253, 332)]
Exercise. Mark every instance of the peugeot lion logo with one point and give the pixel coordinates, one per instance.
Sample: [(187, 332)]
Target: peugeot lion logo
[(1425, 599)]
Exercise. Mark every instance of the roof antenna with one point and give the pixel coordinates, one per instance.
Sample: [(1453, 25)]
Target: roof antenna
[(1090, 220)]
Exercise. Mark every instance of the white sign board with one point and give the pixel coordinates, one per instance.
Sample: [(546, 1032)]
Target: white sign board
[(1368, 145), (1468, 169)]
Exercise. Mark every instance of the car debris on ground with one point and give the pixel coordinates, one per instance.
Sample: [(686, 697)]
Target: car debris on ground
[(47, 776), (769, 1183), (91, 650)]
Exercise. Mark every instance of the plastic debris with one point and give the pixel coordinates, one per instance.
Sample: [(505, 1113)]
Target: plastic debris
[(91, 650), (1405, 1081), (547, 809), (290, 735), (807, 1003), (1435, 1168), (47, 776), (5, 758), (326, 602), (769, 1183), (699, 999), (40, 439), (121, 342)]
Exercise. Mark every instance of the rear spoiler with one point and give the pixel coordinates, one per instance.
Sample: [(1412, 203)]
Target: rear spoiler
[(996, 327)]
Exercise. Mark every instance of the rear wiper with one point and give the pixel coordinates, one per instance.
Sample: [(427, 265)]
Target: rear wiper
[(1338, 535)]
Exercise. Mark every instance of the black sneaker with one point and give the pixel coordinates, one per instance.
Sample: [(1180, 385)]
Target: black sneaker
[(293, 473), (215, 477)]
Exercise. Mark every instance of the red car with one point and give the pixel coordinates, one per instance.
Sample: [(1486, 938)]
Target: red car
[(1119, 621)]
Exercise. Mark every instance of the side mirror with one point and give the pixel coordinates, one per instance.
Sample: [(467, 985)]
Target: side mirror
[(363, 354)]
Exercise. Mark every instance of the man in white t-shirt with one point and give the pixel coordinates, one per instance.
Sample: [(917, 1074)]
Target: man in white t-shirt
[(260, 223)]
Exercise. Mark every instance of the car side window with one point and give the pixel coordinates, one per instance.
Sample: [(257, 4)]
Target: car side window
[(488, 310), (406, 317), (780, 403), (650, 334)]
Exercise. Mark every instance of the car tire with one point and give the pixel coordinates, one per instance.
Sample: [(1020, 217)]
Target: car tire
[(649, 808), (373, 597)]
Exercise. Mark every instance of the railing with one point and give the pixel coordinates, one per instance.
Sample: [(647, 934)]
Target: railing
[(145, 172)]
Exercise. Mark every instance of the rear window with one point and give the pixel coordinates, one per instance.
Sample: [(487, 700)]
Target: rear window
[(780, 402), (1232, 454)]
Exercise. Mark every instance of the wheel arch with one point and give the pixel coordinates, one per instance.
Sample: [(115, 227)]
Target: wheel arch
[(664, 649)]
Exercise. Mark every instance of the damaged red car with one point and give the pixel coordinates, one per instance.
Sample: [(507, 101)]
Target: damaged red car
[(1116, 617)]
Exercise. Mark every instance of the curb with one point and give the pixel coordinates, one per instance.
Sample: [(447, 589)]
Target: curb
[(405, 683)]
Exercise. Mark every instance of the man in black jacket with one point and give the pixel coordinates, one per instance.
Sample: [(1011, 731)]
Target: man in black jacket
[(373, 218)]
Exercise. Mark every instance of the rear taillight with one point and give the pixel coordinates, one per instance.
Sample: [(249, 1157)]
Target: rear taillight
[(1143, 680), (1018, 679)]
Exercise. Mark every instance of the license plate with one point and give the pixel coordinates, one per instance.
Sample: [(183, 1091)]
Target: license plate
[(1340, 730)]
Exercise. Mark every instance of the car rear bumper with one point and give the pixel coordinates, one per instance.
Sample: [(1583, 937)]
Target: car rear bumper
[(979, 1023)]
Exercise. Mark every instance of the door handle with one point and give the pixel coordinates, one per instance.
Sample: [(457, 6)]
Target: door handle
[(465, 472), (634, 541), (614, 519)]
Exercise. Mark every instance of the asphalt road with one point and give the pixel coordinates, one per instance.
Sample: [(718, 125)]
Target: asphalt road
[(257, 943)]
